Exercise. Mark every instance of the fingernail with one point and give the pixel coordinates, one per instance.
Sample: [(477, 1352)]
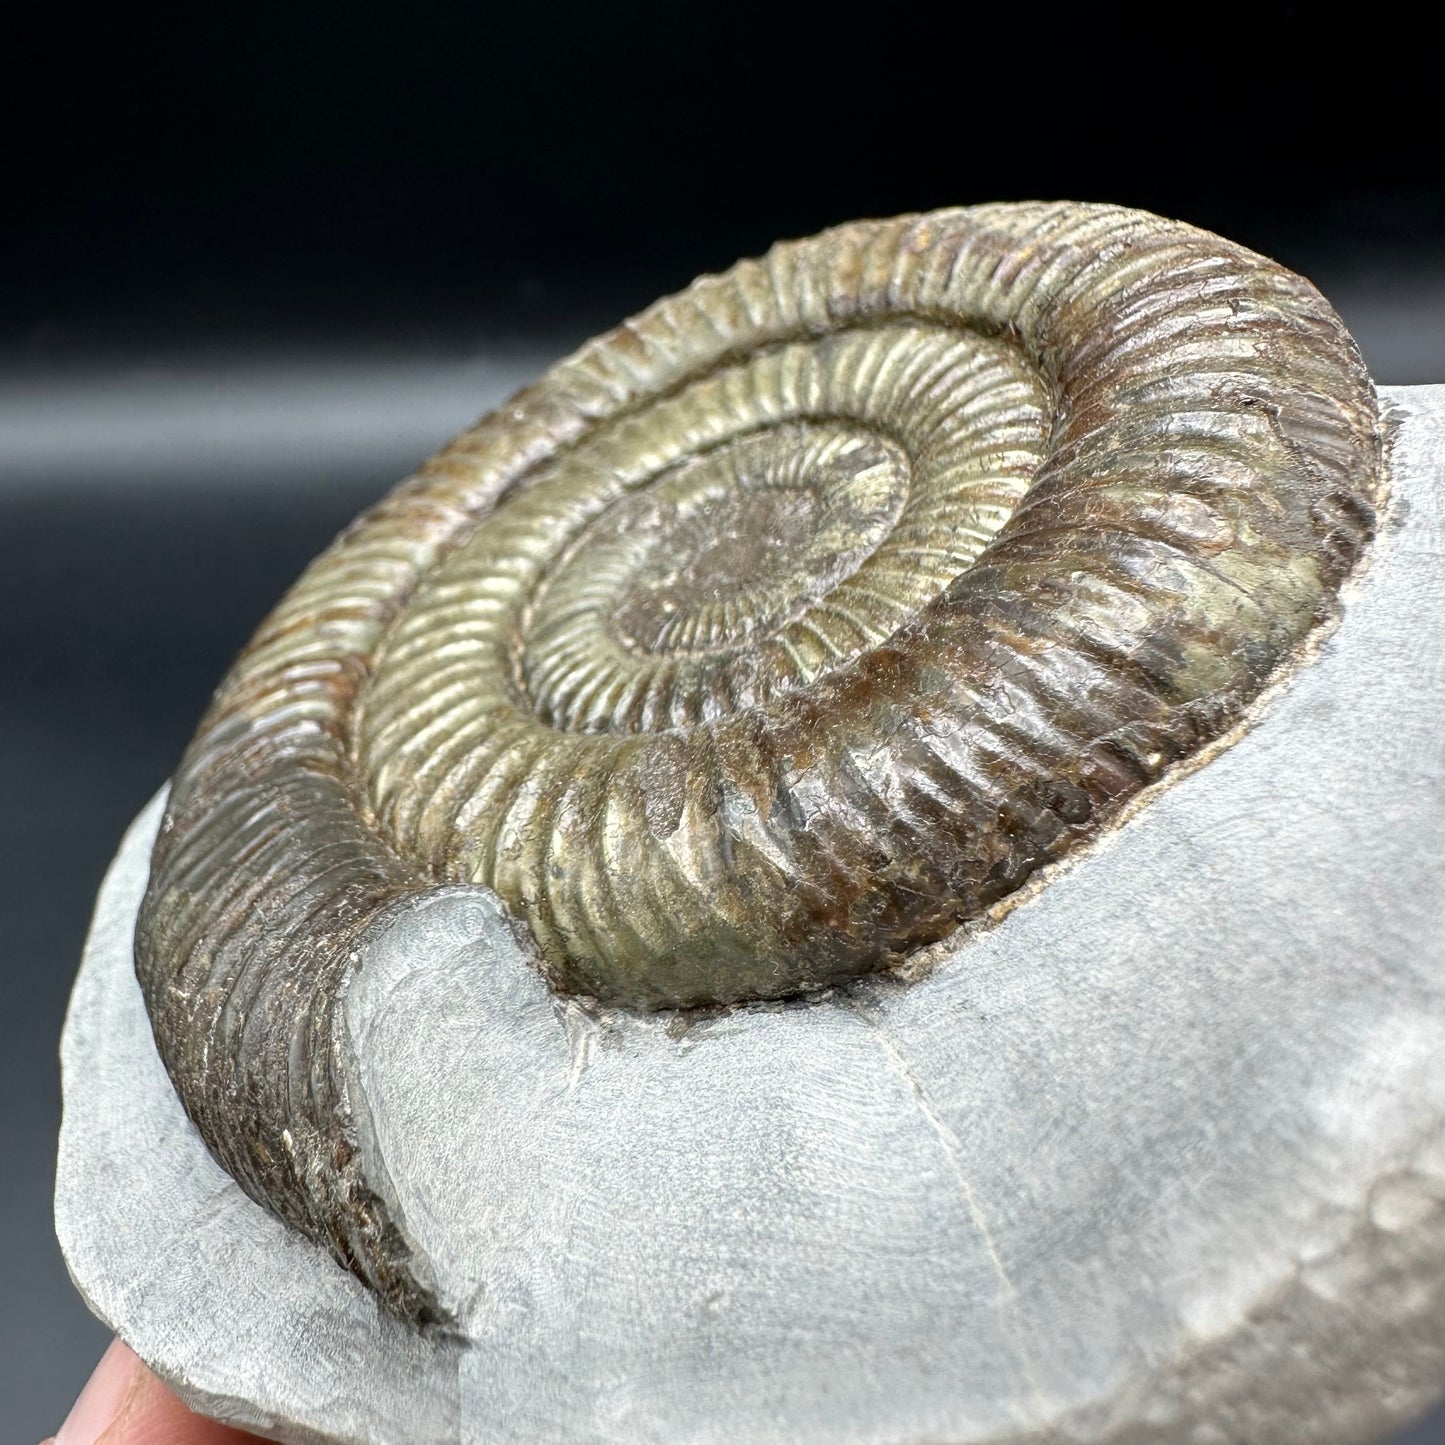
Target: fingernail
[(100, 1401)]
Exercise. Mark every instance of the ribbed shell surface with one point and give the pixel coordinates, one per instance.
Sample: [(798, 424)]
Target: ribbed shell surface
[(758, 644)]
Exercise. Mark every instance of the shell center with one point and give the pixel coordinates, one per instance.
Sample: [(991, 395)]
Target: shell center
[(753, 534)]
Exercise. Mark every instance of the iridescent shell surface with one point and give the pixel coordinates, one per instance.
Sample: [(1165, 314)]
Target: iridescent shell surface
[(758, 645)]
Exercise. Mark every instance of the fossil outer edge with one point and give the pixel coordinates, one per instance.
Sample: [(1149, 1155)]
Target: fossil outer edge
[(757, 645)]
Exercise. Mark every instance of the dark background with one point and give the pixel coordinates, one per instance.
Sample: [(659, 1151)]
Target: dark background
[(255, 265)]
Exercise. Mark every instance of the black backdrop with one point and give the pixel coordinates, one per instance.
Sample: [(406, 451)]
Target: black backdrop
[(218, 167), (316, 191)]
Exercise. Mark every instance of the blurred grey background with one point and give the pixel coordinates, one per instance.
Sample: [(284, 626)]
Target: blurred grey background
[(257, 266)]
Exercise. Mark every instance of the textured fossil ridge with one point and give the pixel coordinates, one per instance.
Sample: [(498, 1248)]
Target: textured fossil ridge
[(758, 644)]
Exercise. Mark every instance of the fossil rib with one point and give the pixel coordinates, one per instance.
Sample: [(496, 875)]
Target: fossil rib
[(758, 644)]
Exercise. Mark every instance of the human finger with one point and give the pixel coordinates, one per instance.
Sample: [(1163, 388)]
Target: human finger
[(123, 1403)]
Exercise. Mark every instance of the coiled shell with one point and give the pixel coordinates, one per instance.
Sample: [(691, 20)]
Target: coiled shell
[(758, 644)]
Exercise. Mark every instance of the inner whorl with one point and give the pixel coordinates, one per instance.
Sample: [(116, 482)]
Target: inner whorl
[(759, 643)]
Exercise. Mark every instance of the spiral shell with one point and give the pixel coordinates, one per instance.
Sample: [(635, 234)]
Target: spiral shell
[(759, 643)]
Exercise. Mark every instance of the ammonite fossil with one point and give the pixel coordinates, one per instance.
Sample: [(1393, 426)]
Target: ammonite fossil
[(758, 645)]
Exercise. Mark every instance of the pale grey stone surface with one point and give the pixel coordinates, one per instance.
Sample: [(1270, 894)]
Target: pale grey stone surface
[(1159, 1158)]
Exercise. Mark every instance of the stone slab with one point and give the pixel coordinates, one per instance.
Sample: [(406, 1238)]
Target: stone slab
[(1159, 1157)]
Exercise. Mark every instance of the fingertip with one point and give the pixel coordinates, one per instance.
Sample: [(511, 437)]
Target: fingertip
[(123, 1403), (102, 1398)]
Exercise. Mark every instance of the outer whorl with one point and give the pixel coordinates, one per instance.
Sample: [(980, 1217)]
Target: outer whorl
[(759, 643)]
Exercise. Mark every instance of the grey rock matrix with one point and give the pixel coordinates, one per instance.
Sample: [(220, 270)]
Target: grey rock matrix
[(1160, 1157)]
